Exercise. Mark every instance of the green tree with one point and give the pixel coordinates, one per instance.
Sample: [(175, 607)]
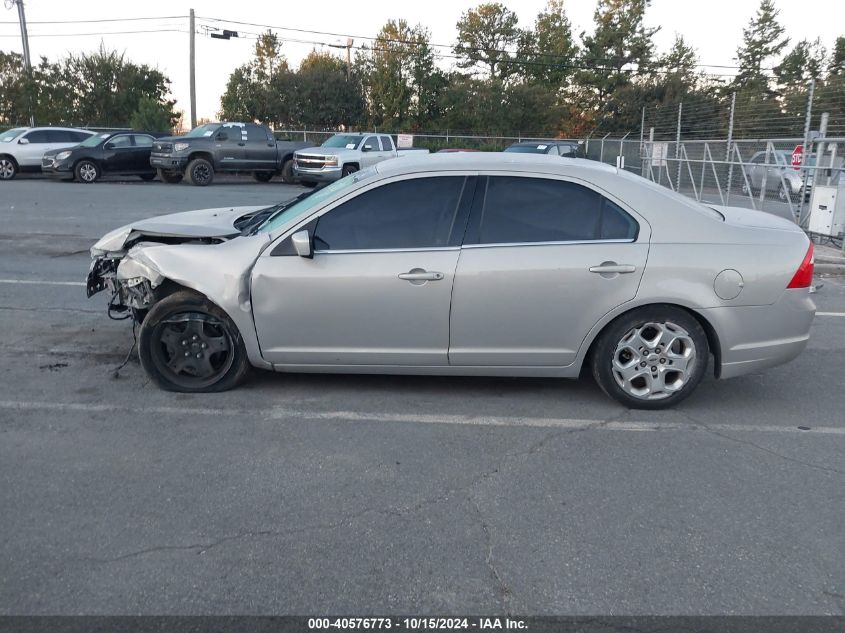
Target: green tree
[(152, 116), (400, 79), (836, 66), (548, 51), (484, 35), (762, 40), (325, 96), (14, 104), (619, 45), (261, 89)]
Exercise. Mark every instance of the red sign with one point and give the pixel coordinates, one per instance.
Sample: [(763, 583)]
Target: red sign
[(797, 155)]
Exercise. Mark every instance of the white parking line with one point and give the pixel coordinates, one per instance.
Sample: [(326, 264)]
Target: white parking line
[(281, 413), (39, 282), (836, 314)]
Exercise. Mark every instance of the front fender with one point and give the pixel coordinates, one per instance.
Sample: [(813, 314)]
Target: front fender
[(221, 272)]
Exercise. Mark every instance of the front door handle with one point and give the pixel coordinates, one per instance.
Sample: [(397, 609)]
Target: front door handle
[(420, 275), (612, 267)]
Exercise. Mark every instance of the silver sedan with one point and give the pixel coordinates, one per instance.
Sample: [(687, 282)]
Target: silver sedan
[(466, 264)]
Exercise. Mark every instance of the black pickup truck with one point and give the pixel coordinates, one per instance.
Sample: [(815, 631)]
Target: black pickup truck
[(229, 147)]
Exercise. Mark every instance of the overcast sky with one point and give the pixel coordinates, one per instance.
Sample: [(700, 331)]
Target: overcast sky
[(714, 27)]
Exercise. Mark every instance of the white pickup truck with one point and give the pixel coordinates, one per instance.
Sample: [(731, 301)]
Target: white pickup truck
[(344, 154)]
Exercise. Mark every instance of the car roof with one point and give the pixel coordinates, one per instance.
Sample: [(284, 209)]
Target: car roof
[(557, 141), (487, 161)]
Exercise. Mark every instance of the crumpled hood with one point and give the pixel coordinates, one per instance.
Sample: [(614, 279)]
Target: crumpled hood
[(202, 223)]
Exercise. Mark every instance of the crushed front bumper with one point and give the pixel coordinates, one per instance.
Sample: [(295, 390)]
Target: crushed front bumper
[(134, 293)]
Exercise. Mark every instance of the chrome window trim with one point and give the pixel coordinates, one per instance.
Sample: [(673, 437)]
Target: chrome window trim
[(553, 243), (422, 249)]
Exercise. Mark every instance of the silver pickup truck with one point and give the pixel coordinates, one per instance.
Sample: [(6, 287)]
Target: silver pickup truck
[(343, 154)]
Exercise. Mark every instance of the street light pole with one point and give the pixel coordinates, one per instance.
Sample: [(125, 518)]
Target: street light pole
[(26, 58), (193, 70)]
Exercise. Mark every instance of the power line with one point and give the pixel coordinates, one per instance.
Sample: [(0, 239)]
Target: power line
[(161, 17), (430, 44), (100, 33)]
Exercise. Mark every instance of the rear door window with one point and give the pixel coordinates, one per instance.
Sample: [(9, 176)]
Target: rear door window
[(142, 140), (386, 143), (415, 213), (535, 210)]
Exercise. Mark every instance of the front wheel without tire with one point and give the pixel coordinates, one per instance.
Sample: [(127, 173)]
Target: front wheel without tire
[(87, 171), (200, 172), (188, 344), (651, 358)]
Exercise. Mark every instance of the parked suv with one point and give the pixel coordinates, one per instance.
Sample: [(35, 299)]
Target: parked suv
[(124, 153), (556, 147), (344, 154), (21, 148), (229, 147)]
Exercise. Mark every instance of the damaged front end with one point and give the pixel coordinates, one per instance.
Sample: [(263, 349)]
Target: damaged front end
[(129, 279)]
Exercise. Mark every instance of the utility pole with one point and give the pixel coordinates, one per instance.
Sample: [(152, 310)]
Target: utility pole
[(349, 43), (193, 71), (26, 58)]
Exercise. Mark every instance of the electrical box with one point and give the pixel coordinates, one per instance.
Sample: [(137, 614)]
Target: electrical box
[(827, 210)]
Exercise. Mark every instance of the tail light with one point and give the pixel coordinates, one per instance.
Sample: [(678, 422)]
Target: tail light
[(804, 275)]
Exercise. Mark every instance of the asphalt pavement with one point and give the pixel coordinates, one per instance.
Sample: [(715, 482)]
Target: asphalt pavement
[(310, 494)]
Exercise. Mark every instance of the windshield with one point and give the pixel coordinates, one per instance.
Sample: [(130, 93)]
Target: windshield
[(344, 140), (527, 149), (203, 130), (11, 135), (313, 200), (93, 141)]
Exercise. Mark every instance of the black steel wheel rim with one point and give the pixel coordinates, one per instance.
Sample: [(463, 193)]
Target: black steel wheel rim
[(201, 173), (192, 349)]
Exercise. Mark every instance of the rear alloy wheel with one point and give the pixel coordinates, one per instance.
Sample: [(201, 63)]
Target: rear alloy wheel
[(784, 194), (188, 344), (651, 358), (170, 177), (8, 168), (263, 176), (87, 171), (200, 172), (746, 189)]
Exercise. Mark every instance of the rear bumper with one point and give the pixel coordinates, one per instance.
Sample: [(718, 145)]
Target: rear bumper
[(753, 338)]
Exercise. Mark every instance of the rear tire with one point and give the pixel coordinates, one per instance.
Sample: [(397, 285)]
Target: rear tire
[(308, 183), (200, 172), (87, 171), (348, 169), (8, 168), (147, 177), (188, 344), (263, 176), (651, 358), (170, 177), (288, 177)]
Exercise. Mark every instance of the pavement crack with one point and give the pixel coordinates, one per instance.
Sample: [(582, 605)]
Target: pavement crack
[(503, 589), (764, 449)]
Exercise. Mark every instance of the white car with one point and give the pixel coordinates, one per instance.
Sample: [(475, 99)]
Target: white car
[(21, 148)]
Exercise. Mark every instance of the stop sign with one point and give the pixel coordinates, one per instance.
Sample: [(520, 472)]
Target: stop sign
[(797, 155)]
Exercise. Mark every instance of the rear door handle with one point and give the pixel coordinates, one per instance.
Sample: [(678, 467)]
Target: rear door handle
[(610, 267), (418, 274)]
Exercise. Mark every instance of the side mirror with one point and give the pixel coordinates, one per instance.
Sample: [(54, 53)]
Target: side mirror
[(367, 148), (222, 136), (23, 141), (302, 244), (108, 146)]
